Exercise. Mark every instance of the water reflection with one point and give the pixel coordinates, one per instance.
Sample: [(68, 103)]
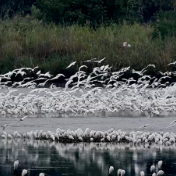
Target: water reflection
[(82, 159)]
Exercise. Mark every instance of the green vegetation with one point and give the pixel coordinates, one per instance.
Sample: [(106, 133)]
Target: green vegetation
[(166, 24), (87, 12), (27, 42), (53, 33)]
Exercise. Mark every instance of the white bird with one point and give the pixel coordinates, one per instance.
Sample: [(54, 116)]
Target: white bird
[(152, 168), (43, 84), (111, 169), (90, 60), (68, 83), (42, 174), (174, 121), (172, 125), (70, 80), (126, 44), (4, 126), (160, 173), (21, 119), (24, 172), (47, 75), (16, 164), (82, 66), (9, 136), (122, 172), (3, 136), (119, 172), (144, 69), (172, 63), (57, 77), (160, 164), (142, 173), (73, 63), (39, 72), (100, 60), (143, 126)]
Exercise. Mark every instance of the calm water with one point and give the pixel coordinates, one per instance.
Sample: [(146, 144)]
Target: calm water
[(83, 159)]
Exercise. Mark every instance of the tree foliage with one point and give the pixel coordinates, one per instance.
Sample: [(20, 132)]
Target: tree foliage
[(87, 12), (95, 12), (166, 24), (9, 8)]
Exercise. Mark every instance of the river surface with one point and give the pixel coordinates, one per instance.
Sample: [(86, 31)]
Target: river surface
[(155, 124), (82, 159)]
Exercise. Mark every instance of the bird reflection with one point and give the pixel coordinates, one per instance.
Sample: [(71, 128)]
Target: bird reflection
[(39, 155)]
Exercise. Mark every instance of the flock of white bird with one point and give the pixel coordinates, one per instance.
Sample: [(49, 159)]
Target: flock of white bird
[(123, 101), (83, 96), (111, 135), (97, 94), (24, 172), (155, 171), (88, 153)]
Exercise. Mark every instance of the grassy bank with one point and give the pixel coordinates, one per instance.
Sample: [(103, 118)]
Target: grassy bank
[(25, 42)]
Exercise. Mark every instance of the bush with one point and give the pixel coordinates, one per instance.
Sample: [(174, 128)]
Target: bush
[(96, 12), (166, 24), (92, 13), (26, 42), (68, 12), (10, 8), (148, 8), (86, 12)]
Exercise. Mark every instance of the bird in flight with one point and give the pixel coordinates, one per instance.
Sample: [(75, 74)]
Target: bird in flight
[(173, 63), (172, 124), (4, 126), (173, 121), (90, 60), (73, 63), (21, 119), (143, 126), (100, 60)]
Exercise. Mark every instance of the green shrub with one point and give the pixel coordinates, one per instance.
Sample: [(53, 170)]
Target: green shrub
[(11, 8), (27, 42), (92, 13), (97, 12), (148, 8), (86, 12), (36, 13), (166, 24)]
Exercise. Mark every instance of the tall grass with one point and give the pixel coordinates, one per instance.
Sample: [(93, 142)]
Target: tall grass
[(26, 42)]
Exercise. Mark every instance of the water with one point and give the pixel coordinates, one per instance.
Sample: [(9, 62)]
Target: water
[(82, 159), (51, 123)]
